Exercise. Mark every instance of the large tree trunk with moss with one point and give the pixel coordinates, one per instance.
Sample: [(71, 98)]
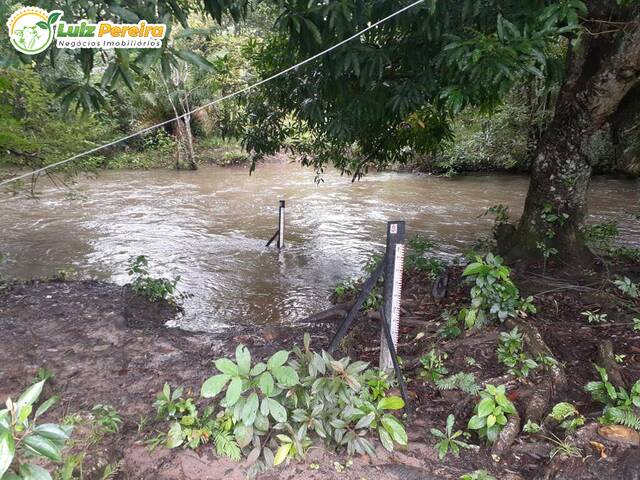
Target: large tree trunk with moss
[(602, 69)]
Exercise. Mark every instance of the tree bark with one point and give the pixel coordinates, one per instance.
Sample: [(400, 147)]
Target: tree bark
[(601, 69)]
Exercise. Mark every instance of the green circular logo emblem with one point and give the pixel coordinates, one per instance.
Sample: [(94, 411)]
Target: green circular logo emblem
[(31, 29)]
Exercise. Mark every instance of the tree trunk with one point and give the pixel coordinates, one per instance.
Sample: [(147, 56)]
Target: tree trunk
[(601, 69)]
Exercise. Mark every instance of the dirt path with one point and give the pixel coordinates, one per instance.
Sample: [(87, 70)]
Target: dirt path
[(107, 346)]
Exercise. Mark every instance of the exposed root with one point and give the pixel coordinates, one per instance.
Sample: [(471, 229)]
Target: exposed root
[(606, 359), (538, 403), (506, 437), (538, 347), (337, 311)]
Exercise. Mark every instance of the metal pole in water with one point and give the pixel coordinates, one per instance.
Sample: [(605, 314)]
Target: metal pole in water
[(392, 289), (281, 225)]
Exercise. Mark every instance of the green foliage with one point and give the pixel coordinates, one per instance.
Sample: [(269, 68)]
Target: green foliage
[(153, 289), (451, 327), (433, 368), (636, 325), (490, 414), (563, 447), (465, 382), (107, 417), (593, 317), (600, 235), (493, 293), (531, 427), (416, 260), (626, 286), (510, 352), (567, 416), (478, 475), (449, 440), (621, 407), (296, 393), (23, 439)]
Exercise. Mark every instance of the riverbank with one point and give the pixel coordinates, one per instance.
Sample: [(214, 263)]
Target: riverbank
[(104, 345)]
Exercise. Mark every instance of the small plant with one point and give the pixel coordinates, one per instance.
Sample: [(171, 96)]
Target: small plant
[(563, 447), (433, 368), (377, 382), (636, 325), (465, 382), (107, 418), (478, 475), (287, 398), (626, 286), (501, 213), (510, 353), (170, 405), (567, 416), (451, 328), (593, 317), (621, 407), (345, 287), (601, 235), (493, 294), (619, 358), (417, 260), (449, 440), (154, 289), (490, 414), (531, 427), (22, 439)]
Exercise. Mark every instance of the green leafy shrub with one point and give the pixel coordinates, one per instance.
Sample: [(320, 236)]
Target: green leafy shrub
[(451, 327), (292, 396), (433, 368), (493, 294), (416, 259), (531, 427), (626, 286), (449, 440), (567, 416), (23, 439), (153, 289), (490, 414), (621, 407), (510, 352), (593, 317), (107, 418)]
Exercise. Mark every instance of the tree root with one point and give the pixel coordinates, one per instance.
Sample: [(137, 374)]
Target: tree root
[(506, 437), (337, 311), (538, 347), (606, 359)]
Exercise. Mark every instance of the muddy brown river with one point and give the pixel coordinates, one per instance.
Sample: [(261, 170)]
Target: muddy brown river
[(210, 227)]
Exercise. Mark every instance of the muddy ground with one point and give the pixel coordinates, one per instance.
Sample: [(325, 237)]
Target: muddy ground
[(107, 346)]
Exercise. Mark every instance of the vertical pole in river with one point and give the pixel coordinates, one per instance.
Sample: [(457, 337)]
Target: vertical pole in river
[(281, 225), (393, 267)]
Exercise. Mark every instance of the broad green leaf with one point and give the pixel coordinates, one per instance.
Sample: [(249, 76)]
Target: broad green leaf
[(33, 472), (281, 454), (174, 437), (250, 409), (214, 385), (30, 396), (42, 409), (278, 359), (472, 269), (278, 412), (485, 407), (43, 447), (476, 422), (243, 359), (265, 383), (7, 451), (233, 392), (227, 366), (385, 438), (257, 369), (395, 428), (391, 403), (52, 432), (365, 421), (286, 376)]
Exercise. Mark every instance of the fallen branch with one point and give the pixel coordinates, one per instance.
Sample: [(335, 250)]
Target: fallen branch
[(337, 311)]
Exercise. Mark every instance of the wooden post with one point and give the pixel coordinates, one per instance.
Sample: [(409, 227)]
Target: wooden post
[(281, 225), (393, 267)]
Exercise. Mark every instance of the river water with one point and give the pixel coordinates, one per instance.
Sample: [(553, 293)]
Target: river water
[(210, 227)]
